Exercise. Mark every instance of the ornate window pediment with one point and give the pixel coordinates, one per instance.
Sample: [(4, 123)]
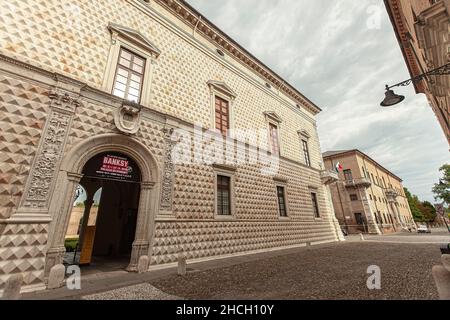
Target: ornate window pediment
[(134, 37), (273, 116), (304, 134), (222, 87)]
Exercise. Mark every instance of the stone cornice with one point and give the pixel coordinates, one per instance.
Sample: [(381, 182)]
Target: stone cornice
[(203, 26), (365, 156), (399, 24)]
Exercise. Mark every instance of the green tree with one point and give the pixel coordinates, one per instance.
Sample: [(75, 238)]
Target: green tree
[(414, 206), (428, 211), (441, 190)]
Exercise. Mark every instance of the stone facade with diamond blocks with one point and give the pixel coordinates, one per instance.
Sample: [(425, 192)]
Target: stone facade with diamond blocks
[(22, 251), (23, 111), (55, 39)]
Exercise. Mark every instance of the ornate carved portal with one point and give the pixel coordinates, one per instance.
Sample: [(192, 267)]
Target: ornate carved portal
[(71, 173)]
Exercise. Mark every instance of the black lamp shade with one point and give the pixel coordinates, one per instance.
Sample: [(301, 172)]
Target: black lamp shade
[(391, 99)]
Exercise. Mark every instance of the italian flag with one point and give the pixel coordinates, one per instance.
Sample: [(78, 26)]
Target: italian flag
[(339, 167)]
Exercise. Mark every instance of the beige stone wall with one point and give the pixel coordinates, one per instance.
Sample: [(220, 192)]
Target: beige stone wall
[(423, 27), (376, 193)]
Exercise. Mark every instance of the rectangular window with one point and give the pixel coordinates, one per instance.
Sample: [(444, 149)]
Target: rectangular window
[(129, 76), (222, 115), (306, 153), (315, 205), (274, 142), (282, 201), (223, 195), (353, 197), (348, 175)]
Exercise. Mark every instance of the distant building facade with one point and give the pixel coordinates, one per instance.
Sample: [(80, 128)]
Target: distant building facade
[(422, 28), (367, 198), (114, 105)]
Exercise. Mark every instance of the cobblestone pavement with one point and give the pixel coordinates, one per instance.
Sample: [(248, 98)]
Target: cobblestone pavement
[(336, 271), (138, 292)]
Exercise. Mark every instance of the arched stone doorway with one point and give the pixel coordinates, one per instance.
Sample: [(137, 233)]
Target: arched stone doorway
[(73, 171)]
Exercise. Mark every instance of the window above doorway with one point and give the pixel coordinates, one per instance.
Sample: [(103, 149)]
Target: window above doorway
[(130, 65)]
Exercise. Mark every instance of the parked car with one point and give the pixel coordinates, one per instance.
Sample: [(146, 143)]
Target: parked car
[(423, 229)]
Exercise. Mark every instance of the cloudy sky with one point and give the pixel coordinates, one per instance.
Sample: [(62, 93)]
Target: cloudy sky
[(340, 54)]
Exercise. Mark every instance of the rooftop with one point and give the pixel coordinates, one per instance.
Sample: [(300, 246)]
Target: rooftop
[(331, 154), (196, 20)]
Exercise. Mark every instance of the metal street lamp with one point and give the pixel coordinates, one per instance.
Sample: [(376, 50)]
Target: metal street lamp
[(392, 98)]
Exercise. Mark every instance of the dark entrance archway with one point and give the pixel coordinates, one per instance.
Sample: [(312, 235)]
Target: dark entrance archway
[(111, 184), (70, 176)]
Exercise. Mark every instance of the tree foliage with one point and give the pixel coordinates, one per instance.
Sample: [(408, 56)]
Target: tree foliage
[(428, 211), (413, 201), (441, 190)]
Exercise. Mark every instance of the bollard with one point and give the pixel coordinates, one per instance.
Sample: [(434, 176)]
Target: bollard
[(181, 265), (12, 287), (442, 278), (143, 264), (56, 277)]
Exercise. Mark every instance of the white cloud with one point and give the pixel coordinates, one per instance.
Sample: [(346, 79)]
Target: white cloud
[(326, 50)]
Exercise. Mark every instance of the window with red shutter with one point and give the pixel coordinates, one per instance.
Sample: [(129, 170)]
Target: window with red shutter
[(222, 115), (275, 146)]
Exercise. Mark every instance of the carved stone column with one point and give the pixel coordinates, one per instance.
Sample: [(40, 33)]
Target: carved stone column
[(45, 167), (166, 205), (337, 226), (141, 244), (371, 221), (328, 178), (56, 251)]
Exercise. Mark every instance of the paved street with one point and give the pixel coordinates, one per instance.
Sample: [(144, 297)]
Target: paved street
[(437, 236), (328, 272), (331, 271)]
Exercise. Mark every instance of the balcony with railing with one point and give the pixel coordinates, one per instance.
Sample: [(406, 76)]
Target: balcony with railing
[(391, 194), (358, 183), (329, 177)]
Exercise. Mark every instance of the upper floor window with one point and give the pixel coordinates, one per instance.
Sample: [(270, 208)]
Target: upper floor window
[(348, 175), (306, 152), (353, 197), (129, 68), (274, 139), (129, 76), (222, 101), (222, 115)]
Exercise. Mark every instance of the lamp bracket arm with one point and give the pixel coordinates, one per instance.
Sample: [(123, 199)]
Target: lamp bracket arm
[(441, 71)]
